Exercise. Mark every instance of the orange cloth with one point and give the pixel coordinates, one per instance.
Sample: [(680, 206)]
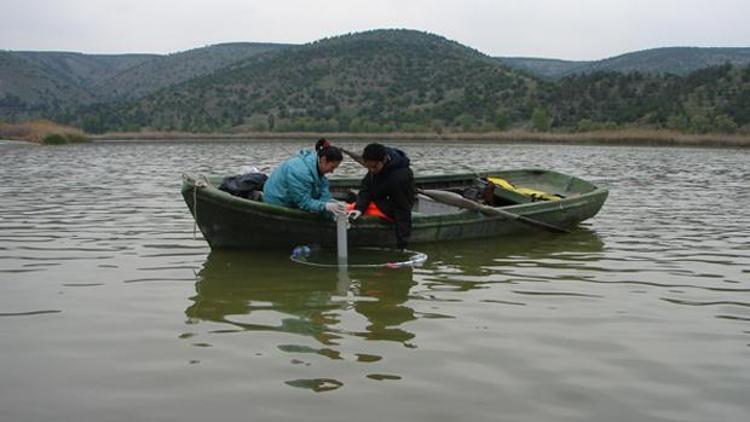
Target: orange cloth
[(372, 209)]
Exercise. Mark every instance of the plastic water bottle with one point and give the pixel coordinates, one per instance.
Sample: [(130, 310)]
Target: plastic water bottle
[(301, 252)]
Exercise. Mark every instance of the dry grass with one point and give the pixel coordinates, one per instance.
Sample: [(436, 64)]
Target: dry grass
[(37, 131), (620, 136)]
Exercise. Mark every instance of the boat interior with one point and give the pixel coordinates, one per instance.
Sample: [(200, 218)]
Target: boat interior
[(479, 190), (422, 205), (493, 191)]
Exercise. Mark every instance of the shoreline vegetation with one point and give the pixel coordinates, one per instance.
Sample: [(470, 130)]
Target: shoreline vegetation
[(47, 132), (602, 137), (43, 132)]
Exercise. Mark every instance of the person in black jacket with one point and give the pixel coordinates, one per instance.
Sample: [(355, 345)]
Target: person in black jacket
[(389, 183)]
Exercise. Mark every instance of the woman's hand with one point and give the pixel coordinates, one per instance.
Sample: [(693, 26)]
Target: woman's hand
[(336, 208)]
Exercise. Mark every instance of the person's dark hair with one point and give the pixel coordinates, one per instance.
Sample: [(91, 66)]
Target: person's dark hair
[(324, 149), (374, 152)]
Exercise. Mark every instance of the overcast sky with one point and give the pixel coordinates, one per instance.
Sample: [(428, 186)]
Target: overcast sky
[(566, 29)]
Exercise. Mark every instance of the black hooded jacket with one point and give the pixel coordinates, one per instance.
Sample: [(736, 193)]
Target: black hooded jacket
[(393, 191)]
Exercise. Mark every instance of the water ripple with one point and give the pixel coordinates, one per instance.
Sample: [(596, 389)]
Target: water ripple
[(643, 311)]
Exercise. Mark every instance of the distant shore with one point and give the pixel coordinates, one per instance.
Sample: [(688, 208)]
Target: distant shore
[(43, 131), (614, 137)]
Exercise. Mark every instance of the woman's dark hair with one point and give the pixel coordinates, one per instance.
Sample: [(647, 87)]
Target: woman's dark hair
[(324, 149), (374, 152)]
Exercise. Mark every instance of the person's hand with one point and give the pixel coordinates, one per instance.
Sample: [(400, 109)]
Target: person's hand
[(336, 208), (353, 215)]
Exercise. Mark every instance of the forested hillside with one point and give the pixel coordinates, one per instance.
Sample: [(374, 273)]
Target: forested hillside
[(164, 71), (45, 84), (715, 99), (373, 81), (545, 68), (376, 81), (51, 84), (673, 60)]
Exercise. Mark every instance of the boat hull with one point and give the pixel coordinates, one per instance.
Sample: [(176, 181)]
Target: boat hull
[(229, 222)]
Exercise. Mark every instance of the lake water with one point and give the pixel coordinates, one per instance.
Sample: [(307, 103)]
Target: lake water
[(110, 310)]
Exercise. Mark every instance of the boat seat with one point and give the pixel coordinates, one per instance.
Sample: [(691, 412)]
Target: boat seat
[(428, 206), (502, 196), (512, 192), (498, 192), (481, 190)]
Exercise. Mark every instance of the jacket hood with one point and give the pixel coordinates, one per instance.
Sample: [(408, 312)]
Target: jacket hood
[(398, 158), (310, 158)]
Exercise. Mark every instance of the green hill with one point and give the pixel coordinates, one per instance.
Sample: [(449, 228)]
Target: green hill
[(82, 69), (373, 81), (377, 81), (546, 68), (35, 84), (47, 84), (674, 60), (163, 71), (714, 99)]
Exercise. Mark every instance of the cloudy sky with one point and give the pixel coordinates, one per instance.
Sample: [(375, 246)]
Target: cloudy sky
[(567, 29)]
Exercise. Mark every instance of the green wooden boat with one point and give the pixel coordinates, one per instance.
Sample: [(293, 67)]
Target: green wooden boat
[(231, 222)]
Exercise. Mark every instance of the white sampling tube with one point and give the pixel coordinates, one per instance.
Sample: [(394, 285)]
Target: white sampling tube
[(342, 246)]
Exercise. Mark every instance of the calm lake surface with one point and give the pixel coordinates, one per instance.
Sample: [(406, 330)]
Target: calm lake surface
[(110, 310)]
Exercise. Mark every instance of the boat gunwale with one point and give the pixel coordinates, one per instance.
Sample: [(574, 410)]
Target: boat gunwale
[(459, 217)]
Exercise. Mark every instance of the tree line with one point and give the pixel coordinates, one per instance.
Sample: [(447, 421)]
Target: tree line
[(715, 99)]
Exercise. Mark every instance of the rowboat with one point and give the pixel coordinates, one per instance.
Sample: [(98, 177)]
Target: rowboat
[(440, 213)]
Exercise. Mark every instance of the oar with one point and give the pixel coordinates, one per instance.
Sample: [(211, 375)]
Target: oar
[(451, 198)]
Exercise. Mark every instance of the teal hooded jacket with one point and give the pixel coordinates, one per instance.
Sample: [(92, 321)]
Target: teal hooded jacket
[(296, 183)]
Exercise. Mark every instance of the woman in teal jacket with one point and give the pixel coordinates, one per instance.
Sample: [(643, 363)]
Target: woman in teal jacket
[(300, 181)]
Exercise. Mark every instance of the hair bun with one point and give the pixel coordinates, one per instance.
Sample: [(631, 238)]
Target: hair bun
[(322, 143)]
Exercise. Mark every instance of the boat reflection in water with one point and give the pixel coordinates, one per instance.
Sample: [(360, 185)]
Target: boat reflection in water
[(478, 258), (266, 291), (327, 313)]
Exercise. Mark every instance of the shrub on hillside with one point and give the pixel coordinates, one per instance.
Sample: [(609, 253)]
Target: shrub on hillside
[(77, 138), (64, 138), (55, 139)]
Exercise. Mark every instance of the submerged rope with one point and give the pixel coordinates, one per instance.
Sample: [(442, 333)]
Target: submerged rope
[(195, 210), (196, 184), (416, 259)]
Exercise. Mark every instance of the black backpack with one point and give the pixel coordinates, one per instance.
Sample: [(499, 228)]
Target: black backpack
[(247, 185)]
